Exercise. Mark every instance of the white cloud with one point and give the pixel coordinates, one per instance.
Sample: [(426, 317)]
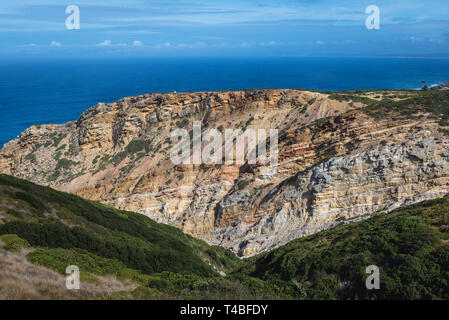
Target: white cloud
[(131, 32), (271, 43), (55, 44), (137, 43), (320, 42), (105, 43), (191, 45), (164, 45)]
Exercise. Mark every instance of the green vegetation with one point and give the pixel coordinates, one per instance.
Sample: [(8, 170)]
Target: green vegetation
[(90, 264), (14, 213), (31, 157), (206, 117), (347, 96), (184, 123), (61, 147), (57, 155), (242, 184), (53, 176), (320, 121), (170, 285), (13, 243), (71, 150), (435, 102), (58, 260), (29, 198), (57, 138), (103, 162), (409, 104), (95, 160), (312, 101), (64, 164), (135, 146), (409, 245), (129, 238)]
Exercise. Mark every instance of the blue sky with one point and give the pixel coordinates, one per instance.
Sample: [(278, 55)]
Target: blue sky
[(112, 28)]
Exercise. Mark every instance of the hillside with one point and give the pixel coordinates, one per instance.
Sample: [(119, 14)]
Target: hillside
[(344, 155), (76, 229), (120, 254), (124, 255), (410, 245)]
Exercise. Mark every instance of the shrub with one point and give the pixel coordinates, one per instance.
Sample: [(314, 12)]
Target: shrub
[(14, 213), (31, 157), (31, 200), (64, 164), (59, 259), (405, 244), (242, 184), (13, 242), (135, 146)]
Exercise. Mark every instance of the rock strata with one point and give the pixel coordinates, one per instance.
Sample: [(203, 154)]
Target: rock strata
[(337, 162)]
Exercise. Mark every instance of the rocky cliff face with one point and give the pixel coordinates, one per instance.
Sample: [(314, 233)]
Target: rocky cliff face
[(340, 159)]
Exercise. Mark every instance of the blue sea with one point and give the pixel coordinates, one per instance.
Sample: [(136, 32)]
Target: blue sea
[(57, 91)]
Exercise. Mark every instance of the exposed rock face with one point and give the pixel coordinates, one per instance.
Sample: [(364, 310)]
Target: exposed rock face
[(336, 163), (345, 188)]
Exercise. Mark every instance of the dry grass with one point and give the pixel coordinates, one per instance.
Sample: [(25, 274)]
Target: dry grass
[(21, 280)]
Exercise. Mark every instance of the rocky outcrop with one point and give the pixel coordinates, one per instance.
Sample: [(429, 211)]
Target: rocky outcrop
[(342, 189), (337, 162), (443, 86)]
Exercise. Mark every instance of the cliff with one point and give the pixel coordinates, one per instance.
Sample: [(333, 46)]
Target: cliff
[(342, 157)]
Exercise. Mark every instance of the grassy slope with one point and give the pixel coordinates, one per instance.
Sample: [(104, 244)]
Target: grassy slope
[(411, 103), (410, 245), (62, 229), (48, 218)]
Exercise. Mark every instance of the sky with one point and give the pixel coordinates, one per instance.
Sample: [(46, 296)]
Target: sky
[(164, 28)]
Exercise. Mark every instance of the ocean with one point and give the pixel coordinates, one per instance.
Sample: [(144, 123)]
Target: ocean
[(57, 91)]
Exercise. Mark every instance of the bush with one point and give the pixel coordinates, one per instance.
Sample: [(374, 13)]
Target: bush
[(14, 213), (130, 238), (145, 293), (59, 259), (135, 146), (13, 242), (151, 256), (405, 244), (65, 164), (31, 200), (242, 184)]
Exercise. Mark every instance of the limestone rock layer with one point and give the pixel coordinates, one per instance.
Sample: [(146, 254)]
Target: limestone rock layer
[(337, 162)]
